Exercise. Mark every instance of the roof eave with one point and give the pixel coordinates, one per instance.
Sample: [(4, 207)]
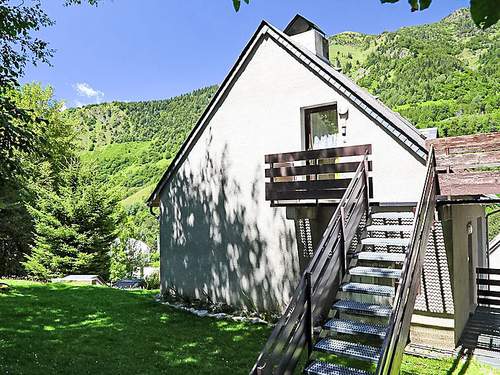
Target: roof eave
[(154, 198)]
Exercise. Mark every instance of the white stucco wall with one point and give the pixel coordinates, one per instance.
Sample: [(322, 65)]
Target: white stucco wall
[(463, 290), (495, 260), (218, 234)]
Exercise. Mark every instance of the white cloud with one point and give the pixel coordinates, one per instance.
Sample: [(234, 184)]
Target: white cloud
[(84, 89)]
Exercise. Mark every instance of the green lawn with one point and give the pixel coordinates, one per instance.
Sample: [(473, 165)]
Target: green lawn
[(64, 329)]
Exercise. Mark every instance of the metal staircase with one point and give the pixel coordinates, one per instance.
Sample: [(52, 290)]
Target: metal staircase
[(352, 308), (359, 320)]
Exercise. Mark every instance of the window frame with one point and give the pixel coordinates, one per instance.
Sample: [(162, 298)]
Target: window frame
[(307, 120)]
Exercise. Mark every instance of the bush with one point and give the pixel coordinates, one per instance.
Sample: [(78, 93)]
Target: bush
[(153, 280)]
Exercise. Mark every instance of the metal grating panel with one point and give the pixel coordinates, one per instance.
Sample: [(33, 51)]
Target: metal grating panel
[(362, 308), (390, 222), (380, 221), (381, 256), (352, 327), (375, 272), (393, 215), (305, 238), (406, 229), (381, 290), (436, 293), (348, 349), (385, 241), (324, 368), (355, 241)]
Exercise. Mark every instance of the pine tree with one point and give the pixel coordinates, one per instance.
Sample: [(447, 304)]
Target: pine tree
[(75, 225)]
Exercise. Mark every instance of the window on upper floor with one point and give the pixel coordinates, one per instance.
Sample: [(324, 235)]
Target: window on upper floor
[(321, 127)]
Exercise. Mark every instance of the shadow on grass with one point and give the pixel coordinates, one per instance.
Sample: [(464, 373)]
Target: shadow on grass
[(61, 329)]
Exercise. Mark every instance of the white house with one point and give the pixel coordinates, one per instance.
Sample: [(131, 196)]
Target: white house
[(223, 237)]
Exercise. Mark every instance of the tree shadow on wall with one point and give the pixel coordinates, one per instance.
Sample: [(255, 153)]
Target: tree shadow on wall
[(219, 240)]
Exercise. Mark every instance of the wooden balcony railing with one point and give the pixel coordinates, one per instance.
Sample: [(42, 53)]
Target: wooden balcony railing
[(312, 177)]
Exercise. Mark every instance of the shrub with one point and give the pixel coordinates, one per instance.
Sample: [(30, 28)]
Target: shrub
[(153, 280)]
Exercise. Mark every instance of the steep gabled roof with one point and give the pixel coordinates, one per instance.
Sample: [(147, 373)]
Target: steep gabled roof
[(394, 124)]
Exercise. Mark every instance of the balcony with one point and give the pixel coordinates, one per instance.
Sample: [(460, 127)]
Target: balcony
[(314, 177)]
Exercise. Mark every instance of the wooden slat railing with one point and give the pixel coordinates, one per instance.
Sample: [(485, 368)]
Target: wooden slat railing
[(468, 164), (319, 284), (488, 286), (310, 175), (467, 152), (399, 324)]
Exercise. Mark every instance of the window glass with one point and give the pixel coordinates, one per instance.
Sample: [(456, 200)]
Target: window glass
[(322, 127)]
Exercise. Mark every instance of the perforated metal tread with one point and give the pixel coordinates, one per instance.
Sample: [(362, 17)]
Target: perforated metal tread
[(348, 349), (362, 308), (393, 215), (381, 256), (324, 368), (353, 327), (375, 272), (385, 241), (379, 290), (389, 228)]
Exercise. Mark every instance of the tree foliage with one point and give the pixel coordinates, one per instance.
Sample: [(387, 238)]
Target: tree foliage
[(18, 47), (50, 146), (75, 224), (443, 75), (133, 143), (485, 13)]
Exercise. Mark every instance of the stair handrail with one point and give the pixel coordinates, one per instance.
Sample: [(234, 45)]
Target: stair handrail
[(399, 324), (315, 294)]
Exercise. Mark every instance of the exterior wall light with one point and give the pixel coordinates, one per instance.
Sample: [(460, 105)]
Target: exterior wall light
[(469, 228), (343, 116)]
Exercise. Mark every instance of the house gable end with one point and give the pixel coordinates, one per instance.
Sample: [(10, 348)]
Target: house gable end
[(378, 113)]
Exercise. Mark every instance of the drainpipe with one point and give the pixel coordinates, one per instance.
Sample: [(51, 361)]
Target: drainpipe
[(157, 216)]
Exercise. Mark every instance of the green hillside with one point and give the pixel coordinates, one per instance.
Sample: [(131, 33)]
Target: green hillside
[(445, 74), (133, 143)]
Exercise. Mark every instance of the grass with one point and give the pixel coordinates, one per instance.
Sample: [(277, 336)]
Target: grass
[(412, 365), (67, 329), (63, 329), (450, 366)]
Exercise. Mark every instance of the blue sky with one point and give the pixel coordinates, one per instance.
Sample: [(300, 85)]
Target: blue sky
[(154, 49)]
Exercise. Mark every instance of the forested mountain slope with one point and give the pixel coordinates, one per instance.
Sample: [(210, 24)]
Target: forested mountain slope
[(445, 74), (133, 143)]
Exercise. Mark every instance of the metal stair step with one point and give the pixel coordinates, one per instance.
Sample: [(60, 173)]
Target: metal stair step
[(389, 228), (380, 290), (385, 241), (362, 308), (348, 349), (393, 215), (381, 256), (325, 368), (353, 327), (375, 272)]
